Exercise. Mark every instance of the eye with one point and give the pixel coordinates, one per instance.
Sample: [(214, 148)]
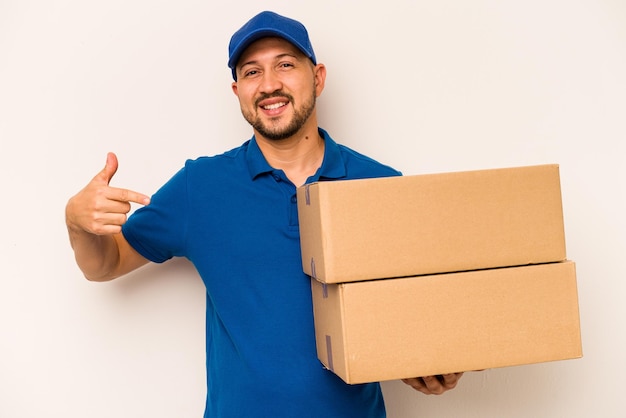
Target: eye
[(250, 73)]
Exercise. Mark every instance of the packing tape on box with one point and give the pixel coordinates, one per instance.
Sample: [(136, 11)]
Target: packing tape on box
[(313, 273), (329, 353)]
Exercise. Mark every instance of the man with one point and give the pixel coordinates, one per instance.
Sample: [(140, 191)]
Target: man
[(235, 217)]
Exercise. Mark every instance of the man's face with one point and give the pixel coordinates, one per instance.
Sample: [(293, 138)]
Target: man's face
[(277, 87)]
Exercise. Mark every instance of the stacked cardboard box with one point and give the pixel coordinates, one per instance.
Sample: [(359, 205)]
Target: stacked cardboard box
[(431, 274)]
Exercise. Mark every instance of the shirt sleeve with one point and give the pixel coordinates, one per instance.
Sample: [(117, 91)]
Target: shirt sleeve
[(157, 231)]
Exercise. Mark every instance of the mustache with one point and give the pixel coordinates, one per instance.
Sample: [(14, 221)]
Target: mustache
[(277, 93)]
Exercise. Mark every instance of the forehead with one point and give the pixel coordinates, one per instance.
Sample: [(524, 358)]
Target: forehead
[(269, 47)]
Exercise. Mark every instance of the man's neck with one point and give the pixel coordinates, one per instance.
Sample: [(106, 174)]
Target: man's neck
[(299, 156)]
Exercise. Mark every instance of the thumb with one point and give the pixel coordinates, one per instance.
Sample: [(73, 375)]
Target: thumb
[(109, 169)]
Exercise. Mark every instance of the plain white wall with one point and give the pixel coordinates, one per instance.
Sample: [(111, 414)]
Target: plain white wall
[(423, 85)]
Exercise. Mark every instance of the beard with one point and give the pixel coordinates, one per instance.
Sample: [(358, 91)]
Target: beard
[(272, 130)]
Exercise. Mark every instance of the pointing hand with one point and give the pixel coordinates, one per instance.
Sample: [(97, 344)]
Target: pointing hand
[(99, 208)]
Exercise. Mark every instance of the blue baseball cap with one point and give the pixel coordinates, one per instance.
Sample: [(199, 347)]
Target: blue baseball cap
[(267, 24)]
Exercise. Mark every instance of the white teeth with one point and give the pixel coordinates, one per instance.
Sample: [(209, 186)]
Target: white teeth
[(274, 106)]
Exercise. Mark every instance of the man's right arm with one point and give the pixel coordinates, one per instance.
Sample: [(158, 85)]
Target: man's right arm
[(94, 218)]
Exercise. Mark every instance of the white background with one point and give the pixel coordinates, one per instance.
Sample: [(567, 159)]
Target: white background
[(426, 86)]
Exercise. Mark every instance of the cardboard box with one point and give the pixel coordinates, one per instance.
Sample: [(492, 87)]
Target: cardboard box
[(426, 325), (355, 230)]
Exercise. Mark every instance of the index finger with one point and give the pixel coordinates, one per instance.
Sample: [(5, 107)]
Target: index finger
[(125, 195)]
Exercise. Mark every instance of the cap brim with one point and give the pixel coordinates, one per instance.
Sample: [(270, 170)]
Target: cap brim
[(259, 34)]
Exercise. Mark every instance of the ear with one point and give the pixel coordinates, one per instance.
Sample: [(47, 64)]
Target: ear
[(234, 87), (320, 78)]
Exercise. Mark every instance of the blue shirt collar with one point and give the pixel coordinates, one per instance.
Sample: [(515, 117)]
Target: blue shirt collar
[(333, 166)]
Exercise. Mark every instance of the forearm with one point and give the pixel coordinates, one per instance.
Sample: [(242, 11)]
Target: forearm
[(97, 256)]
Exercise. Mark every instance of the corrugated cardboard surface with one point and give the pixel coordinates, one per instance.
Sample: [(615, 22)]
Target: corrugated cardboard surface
[(427, 325), (355, 230)]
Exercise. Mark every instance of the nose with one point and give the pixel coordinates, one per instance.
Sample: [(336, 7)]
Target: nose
[(270, 82)]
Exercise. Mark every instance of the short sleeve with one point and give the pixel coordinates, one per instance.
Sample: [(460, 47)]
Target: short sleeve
[(157, 231)]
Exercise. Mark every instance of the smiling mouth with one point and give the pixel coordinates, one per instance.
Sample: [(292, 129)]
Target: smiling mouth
[(274, 106)]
